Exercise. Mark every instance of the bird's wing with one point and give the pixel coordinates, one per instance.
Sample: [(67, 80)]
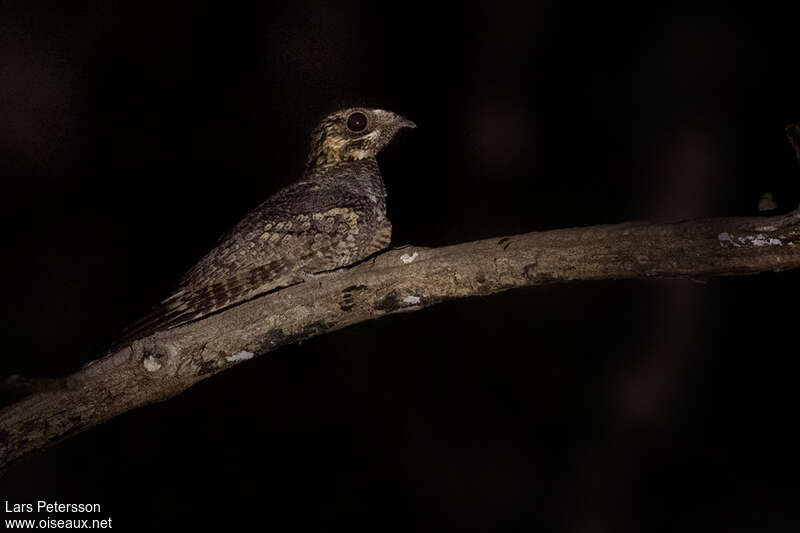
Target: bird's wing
[(269, 249)]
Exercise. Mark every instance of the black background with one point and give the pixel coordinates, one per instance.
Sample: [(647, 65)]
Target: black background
[(132, 135)]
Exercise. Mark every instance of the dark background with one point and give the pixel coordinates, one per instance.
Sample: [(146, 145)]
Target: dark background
[(132, 135)]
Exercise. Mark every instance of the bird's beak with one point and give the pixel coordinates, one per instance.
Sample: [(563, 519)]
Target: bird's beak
[(403, 122)]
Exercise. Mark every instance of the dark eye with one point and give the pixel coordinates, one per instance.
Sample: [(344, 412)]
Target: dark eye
[(357, 122)]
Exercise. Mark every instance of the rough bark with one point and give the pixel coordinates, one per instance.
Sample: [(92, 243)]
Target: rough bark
[(399, 280)]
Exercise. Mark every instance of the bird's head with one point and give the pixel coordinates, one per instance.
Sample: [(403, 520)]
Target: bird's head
[(353, 134)]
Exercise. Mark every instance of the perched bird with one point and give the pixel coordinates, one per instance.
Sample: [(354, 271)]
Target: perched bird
[(333, 216)]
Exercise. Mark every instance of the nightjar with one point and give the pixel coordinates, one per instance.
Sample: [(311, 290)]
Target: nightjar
[(334, 215)]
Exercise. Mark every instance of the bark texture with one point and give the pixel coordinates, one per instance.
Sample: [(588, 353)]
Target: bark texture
[(399, 280)]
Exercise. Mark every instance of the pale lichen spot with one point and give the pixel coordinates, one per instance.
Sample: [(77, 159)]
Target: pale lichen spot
[(726, 238), (406, 259), (762, 240), (759, 239), (244, 355), (413, 300), (151, 364)]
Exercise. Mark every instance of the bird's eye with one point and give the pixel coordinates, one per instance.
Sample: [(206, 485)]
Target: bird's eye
[(357, 121)]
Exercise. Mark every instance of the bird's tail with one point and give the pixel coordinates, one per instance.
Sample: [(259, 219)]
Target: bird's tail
[(192, 301)]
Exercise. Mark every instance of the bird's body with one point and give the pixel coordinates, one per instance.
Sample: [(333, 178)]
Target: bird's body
[(333, 216)]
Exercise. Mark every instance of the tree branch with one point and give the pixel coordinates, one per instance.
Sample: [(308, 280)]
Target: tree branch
[(399, 280)]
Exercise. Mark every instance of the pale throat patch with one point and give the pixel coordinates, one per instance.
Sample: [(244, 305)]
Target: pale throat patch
[(361, 153), (334, 149)]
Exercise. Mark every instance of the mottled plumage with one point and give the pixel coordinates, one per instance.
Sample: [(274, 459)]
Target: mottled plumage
[(333, 216)]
